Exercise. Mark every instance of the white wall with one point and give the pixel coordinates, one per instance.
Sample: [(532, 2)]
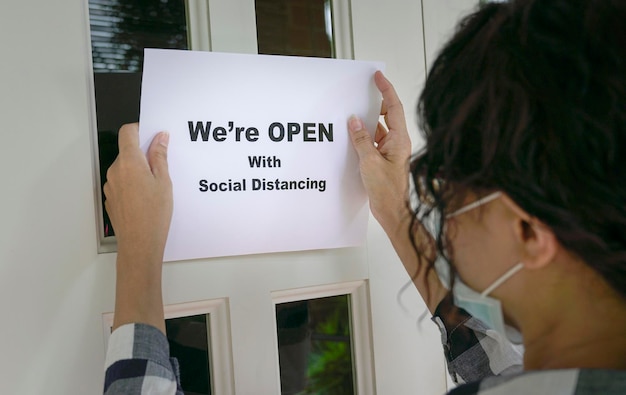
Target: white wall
[(440, 18), (54, 286)]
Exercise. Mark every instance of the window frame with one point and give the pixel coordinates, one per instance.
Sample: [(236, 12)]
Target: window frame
[(207, 30), (198, 38), (221, 369)]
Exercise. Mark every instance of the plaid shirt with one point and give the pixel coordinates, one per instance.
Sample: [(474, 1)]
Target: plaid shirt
[(138, 363), (472, 350), (491, 365)]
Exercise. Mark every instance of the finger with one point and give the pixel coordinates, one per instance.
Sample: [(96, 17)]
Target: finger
[(380, 134), (128, 138), (157, 155), (392, 106), (383, 111), (361, 139)]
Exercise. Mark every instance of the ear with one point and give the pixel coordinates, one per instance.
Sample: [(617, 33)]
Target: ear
[(538, 244)]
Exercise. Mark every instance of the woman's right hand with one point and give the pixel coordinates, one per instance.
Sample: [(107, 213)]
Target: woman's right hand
[(384, 166), (384, 161)]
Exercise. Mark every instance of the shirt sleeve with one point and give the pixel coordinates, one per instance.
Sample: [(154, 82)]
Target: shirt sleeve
[(138, 363), (473, 351)]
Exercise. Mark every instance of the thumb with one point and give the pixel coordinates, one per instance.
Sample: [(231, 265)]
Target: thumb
[(361, 139), (157, 155)]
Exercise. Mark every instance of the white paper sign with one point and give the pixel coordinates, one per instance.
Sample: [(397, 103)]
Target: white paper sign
[(259, 154)]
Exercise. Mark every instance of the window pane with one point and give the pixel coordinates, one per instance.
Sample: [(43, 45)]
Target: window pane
[(295, 27), (315, 347), (120, 30), (189, 343)]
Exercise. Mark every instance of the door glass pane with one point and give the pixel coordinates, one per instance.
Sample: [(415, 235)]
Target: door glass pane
[(295, 27), (120, 30), (189, 343), (315, 346)]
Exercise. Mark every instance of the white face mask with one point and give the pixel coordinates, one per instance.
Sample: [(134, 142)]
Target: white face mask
[(486, 308), (481, 305)]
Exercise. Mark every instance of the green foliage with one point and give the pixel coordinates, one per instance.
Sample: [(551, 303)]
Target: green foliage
[(330, 361)]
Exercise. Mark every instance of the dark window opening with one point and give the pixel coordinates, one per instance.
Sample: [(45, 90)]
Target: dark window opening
[(120, 30)]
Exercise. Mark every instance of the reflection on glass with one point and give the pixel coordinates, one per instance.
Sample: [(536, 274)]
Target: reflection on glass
[(314, 346), (120, 30), (295, 27), (189, 343)]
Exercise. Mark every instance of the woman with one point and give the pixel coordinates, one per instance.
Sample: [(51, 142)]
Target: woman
[(524, 172), (524, 113)]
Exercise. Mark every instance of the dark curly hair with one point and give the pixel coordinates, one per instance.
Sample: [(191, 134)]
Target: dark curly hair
[(529, 97)]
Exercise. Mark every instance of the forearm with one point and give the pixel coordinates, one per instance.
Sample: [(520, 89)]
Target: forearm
[(139, 201), (384, 167), (396, 224), (138, 297)]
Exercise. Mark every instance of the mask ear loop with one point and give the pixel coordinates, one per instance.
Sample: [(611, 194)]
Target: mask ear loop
[(473, 205), (502, 279)]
